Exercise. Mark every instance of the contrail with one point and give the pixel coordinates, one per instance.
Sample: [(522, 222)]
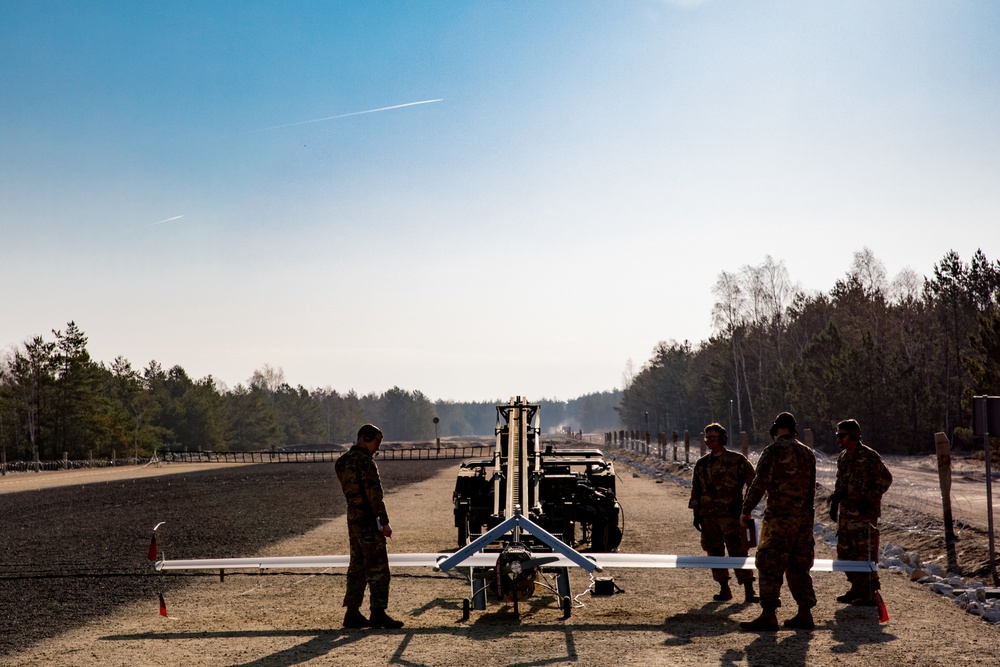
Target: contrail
[(176, 217), (345, 115)]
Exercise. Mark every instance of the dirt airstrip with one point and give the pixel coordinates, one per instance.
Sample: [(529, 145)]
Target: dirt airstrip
[(75, 588)]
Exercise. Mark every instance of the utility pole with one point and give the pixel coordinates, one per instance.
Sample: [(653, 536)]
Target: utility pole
[(437, 439)]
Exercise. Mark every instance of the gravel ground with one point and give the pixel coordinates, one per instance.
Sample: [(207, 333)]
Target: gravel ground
[(72, 554), (663, 617)]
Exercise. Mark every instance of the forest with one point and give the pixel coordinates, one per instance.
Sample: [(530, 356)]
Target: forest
[(55, 400), (903, 356)]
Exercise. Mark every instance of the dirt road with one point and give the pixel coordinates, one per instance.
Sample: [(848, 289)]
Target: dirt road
[(663, 617)]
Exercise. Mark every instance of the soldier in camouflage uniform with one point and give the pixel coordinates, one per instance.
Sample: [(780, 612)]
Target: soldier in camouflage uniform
[(716, 498), (367, 529), (786, 472), (862, 479)]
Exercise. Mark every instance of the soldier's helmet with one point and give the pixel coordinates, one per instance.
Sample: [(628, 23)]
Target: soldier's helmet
[(785, 420)]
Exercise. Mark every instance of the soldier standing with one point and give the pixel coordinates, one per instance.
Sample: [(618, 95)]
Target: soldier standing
[(862, 479), (786, 472), (716, 499), (367, 529)]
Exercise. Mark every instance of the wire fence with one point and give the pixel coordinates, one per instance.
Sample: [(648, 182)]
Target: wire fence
[(330, 454), (393, 453), (72, 464)]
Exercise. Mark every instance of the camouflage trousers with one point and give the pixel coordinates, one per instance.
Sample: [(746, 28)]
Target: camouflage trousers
[(857, 540), (786, 549), (721, 534), (369, 566)]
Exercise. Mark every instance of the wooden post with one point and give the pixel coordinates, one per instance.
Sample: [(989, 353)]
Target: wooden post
[(65, 460), (675, 445), (744, 443), (687, 447), (943, 448), (647, 443), (809, 439)]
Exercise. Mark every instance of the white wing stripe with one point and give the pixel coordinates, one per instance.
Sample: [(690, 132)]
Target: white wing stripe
[(664, 561)]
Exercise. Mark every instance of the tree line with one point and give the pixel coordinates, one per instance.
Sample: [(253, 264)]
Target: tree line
[(903, 356), (55, 399)]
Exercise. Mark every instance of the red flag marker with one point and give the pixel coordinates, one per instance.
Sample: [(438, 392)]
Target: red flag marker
[(152, 553), (883, 612), (163, 606)]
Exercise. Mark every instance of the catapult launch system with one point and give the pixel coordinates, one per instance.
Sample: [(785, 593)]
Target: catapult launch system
[(568, 491)]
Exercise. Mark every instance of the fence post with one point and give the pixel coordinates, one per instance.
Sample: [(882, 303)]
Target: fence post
[(675, 445), (647, 443), (687, 447), (113, 457), (943, 448), (745, 443), (65, 460), (810, 439)]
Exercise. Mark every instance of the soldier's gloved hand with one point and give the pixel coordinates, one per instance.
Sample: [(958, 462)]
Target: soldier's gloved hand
[(698, 522), (834, 508)]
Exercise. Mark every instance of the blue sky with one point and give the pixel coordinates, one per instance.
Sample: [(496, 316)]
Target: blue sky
[(588, 170)]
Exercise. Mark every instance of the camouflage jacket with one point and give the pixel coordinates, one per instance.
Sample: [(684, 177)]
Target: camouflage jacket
[(718, 482), (359, 478), (862, 479), (786, 472)]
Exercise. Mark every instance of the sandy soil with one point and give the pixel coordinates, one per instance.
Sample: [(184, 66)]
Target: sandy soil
[(663, 617), (15, 482)]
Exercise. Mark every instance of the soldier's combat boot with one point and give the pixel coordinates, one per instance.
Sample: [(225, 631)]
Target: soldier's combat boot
[(380, 619), (850, 596), (767, 621), (725, 593), (801, 621), (355, 619), (751, 596)]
